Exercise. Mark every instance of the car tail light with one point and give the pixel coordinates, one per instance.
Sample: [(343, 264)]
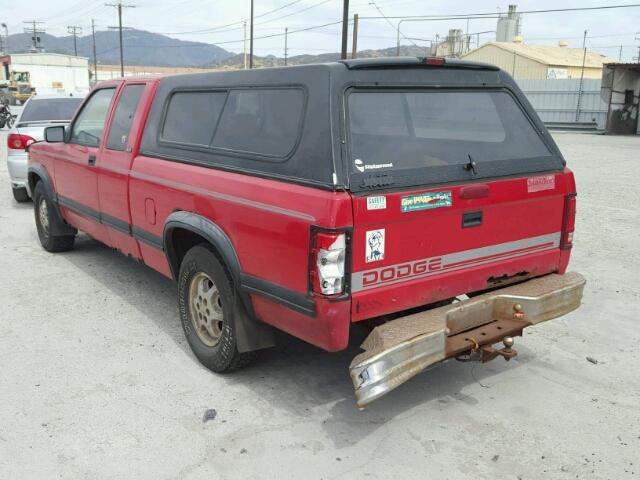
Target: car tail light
[(327, 261), (19, 142), (433, 61), (568, 221)]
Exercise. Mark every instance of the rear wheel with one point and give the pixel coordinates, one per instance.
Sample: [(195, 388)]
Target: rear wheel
[(20, 195), (45, 219), (206, 297)]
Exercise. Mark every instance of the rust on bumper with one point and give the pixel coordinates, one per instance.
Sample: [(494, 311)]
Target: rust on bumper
[(398, 350)]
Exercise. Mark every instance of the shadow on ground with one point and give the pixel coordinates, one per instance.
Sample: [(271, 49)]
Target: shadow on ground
[(293, 376)]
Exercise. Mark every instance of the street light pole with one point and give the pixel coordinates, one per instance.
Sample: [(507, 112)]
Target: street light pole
[(244, 24), (345, 28), (286, 49), (584, 59), (95, 61), (251, 39)]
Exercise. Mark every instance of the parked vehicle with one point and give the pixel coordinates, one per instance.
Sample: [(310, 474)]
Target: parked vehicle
[(38, 113), (6, 117), (309, 198)]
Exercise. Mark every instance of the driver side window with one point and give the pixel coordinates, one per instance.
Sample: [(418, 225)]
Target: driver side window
[(89, 125)]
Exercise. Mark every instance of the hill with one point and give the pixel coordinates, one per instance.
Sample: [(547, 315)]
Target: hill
[(140, 48)]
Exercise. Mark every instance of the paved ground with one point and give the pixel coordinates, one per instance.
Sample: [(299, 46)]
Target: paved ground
[(97, 381)]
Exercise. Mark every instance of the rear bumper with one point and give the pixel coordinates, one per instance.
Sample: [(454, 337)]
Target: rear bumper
[(17, 166), (400, 349)]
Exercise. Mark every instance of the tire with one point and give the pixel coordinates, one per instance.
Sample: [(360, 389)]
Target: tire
[(20, 195), (206, 300), (43, 209), (10, 121), (3, 123)]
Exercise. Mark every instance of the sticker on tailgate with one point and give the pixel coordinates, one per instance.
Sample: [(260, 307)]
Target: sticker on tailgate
[(377, 203), (544, 182), (425, 201), (375, 245)]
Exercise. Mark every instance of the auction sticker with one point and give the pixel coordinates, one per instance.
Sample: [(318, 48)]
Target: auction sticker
[(425, 201), (377, 203), (543, 182)]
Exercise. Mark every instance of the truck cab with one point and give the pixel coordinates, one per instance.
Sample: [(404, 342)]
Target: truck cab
[(420, 197)]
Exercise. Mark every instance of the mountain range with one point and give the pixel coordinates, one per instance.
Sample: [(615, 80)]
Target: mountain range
[(153, 49)]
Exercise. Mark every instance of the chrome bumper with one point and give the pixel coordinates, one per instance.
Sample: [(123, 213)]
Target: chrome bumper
[(400, 349)]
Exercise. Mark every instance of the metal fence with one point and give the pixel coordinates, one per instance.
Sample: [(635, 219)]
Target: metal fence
[(556, 100)]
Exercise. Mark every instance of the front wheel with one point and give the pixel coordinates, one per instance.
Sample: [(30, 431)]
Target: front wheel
[(206, 297)]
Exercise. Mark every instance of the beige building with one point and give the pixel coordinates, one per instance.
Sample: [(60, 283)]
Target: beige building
[(540, 61)]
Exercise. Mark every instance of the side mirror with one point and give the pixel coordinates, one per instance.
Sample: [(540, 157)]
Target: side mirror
[(54, 134)]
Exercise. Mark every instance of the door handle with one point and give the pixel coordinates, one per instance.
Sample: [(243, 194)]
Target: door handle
[(92, 160)]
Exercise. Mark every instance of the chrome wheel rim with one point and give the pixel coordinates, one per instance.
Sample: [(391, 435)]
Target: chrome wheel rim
[(43, 216), (205, 307)]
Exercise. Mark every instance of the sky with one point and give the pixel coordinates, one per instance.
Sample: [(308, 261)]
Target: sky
[(220, 21)]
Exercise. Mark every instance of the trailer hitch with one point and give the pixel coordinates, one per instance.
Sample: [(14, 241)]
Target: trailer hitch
[(486, 353)]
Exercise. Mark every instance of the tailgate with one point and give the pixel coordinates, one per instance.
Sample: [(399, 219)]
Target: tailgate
[(473, 196), (428, 245)]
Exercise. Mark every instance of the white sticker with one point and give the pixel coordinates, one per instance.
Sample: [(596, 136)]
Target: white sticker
[(377, 203), (375, 245), (361, 166)]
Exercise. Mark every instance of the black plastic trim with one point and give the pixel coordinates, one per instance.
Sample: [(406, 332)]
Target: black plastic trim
[(294, 300)]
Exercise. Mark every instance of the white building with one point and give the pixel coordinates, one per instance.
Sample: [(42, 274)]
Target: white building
[(50, 73)]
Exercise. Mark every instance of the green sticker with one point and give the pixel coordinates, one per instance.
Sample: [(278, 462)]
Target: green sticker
[(425, 201)]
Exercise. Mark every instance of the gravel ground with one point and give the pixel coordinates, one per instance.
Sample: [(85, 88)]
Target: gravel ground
[(97, 381)]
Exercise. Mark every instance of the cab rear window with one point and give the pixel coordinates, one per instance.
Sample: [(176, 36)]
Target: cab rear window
[(419, 137)]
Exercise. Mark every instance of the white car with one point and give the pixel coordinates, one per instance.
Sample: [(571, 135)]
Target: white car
[(39, 111)]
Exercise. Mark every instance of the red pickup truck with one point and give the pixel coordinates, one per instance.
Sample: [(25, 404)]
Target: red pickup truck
[(420, 196)]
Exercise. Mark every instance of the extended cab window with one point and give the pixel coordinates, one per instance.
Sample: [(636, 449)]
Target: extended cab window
[(123, 117), (419, 137), (192, 117), (89, 125), (262, 121)]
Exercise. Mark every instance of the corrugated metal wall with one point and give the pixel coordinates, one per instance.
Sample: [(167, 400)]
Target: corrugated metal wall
[(556, 100)]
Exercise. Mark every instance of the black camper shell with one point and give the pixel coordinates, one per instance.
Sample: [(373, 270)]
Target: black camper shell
[(208, 119)]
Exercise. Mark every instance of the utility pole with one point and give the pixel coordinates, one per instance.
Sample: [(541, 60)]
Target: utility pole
[(584, 59), (120, 6), (35, 31), (245, 44), (251, 38), (620, 54), (345, 28), (286, 49), (95, 60), (6, 38), (74, 30), (354, 47)]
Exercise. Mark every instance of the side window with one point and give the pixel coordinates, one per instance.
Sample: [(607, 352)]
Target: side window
[(192, 117), (89, 125), (262, 121), (123, 117)]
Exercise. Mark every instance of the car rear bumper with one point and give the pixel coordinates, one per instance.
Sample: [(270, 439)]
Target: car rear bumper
[(17, 165), (400, 349)]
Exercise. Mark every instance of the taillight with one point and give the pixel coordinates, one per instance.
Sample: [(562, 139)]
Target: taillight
[(17, 141), (433, 60), (327, 261), (568, 221)]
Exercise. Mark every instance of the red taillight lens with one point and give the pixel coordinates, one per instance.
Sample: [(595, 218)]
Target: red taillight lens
[(327, 261), (19, 142), (568, 221), (433, 60)]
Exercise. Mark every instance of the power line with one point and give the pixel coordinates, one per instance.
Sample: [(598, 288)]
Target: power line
[(469, 15), (221, 28)]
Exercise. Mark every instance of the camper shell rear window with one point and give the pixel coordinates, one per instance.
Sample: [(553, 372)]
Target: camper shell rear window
[(406, 137)]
